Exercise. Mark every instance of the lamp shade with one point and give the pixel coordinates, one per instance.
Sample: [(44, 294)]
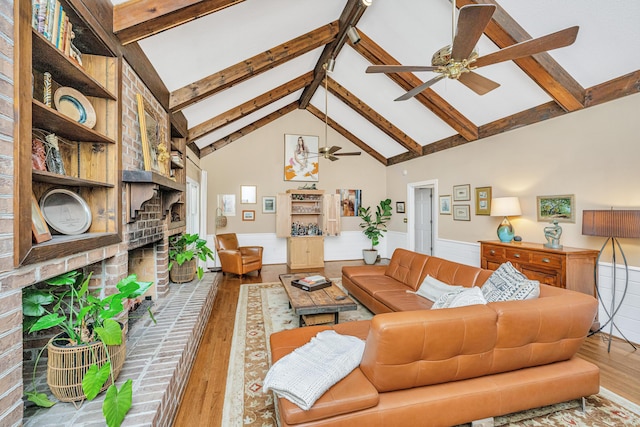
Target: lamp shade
[(611, 223), (505, 206)]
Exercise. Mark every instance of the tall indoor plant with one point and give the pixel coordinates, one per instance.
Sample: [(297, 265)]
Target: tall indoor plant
[(184, 251), (374, 224), (90, 344)]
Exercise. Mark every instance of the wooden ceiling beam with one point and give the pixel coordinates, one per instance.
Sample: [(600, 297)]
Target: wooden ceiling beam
[(429, 98), (504, 31), (350, 16), (613, 89), (348, 135), (215, 83), (222, 142), (249, 107), (137, 19), (373, 117)]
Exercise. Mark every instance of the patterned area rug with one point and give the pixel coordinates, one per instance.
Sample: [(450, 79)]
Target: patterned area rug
[(264, 308)]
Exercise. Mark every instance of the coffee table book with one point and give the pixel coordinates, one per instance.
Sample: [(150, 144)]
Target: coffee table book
[(310, 287)]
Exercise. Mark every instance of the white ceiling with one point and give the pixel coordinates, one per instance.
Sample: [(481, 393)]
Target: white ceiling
[(607, 46)]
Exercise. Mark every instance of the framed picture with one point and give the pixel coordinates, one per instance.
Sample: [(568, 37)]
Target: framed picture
[(269, 204), (248, 194), (400, 207), (154, 147), (227, 202), (39, 227), (301, 158), (461, 213), (461, 193), (560, 208), (350, 202), (445, 205), (248, 215), (483, 200)]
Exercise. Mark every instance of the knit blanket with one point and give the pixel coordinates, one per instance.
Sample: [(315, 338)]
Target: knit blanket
[(305, 374)]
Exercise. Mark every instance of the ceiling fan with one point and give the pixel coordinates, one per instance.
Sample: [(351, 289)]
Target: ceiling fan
[(327, 152), (460, 59)]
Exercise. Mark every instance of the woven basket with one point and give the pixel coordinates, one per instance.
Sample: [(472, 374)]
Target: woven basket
[(183, 273), (67, 366), (221, 220)]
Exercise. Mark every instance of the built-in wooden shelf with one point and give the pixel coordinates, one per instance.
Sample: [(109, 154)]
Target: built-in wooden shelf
[(69, 181), (141, 186)]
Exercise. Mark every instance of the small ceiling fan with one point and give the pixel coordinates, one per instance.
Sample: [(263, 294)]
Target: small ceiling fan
[(327, 152), (460, 59)]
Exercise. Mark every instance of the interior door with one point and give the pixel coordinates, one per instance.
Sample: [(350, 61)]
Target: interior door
[(423, 220)]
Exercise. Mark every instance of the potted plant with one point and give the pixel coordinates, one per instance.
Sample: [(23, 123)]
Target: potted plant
[(91, 346), (184, 251), (374, 225)]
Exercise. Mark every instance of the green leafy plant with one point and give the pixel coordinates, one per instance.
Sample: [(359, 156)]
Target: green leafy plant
[(186, 247), (374, 224), (66, 302)]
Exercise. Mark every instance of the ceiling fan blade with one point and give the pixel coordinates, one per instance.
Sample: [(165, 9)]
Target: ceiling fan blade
[(333, 149), (416, 90), (530, 47), (350, 153), (332, 158), (399, 68), (472, 20), (477, 83)]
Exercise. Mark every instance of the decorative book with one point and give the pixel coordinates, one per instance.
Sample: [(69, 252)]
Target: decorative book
[(310, 287)]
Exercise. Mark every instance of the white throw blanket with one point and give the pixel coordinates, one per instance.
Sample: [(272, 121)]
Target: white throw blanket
[(305, 374)]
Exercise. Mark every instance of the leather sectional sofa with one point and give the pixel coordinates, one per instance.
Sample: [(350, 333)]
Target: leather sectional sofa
[(444, 367)]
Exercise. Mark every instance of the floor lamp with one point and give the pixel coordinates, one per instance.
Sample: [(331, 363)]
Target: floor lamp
[(612, 224)]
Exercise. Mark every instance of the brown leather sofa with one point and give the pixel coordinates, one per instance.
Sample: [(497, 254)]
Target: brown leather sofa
[(449, 366), (237, 259)]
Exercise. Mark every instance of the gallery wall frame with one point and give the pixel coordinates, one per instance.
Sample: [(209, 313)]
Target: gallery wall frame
[(248, 194), (561, 208), (445, 204), (400, 207), (461, 213), (462, 193), (268, 205), (248, 215), (350, 202), (227, 202), (483, 200)]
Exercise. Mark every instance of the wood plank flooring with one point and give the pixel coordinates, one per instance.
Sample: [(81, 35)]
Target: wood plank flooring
[(204, 396)]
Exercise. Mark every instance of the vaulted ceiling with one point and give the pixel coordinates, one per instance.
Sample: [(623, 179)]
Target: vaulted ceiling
[(232, 66)]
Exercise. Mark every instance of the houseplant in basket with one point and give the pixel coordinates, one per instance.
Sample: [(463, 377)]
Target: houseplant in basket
[(86, 357), (184, 252), (374, 224)]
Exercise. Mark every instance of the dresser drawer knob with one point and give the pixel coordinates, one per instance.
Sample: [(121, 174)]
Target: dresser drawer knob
[(517, 255), (492, 252), (546, 260)]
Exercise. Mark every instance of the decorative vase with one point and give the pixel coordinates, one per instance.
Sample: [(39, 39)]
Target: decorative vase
[(67, 365), (183, 273), (370, 256)]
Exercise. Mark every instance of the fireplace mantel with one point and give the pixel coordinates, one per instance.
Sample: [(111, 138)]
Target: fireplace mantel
[(141, 186)]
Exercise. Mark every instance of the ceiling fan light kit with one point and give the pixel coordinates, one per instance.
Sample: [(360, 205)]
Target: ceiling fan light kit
[(459, 60)]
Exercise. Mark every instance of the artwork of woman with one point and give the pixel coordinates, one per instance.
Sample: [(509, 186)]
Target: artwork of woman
[(300, 159)]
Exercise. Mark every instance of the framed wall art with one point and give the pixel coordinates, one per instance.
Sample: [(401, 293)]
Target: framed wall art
[(268, 204), (248, 194), (461, 213), (350, 202), (445, 205), (560, 208), (399, 207), (227, 202), (154, 147), (483, 200), (301, 158), (249, 215), (462, 193)]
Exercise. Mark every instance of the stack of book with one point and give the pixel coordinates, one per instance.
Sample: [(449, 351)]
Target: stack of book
[(311, 283), (50, 19)]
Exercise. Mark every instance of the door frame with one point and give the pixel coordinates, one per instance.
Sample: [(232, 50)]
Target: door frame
[(410, 210)]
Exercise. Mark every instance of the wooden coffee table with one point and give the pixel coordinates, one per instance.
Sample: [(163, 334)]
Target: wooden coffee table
[(316, 307)]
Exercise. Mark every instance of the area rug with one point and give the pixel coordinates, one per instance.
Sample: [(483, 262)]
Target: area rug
[(264, 308)]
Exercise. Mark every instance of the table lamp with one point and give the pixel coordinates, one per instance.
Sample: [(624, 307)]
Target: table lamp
[(612, 224), (506, 207)]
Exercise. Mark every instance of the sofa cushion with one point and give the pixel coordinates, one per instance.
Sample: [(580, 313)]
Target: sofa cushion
[(460, 298), (407, 267), (507, 283), (432, 288), (403, 300)]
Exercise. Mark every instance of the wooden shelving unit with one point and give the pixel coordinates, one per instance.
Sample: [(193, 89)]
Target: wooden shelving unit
[(178, 213), (95, 153)]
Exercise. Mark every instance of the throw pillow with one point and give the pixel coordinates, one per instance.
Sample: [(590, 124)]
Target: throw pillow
[(507, 283), (432, 288), (466, 296)]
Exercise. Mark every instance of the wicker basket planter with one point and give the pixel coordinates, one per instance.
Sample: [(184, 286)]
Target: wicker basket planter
[(183, 273), (67, 365)]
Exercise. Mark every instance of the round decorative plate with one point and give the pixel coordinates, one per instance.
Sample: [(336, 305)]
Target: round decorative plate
[(75, 105), (65, 211)]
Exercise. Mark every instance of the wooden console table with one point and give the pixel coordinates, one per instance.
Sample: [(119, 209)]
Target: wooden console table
[(570, 268)]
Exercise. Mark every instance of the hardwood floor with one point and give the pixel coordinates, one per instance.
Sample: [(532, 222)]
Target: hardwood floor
[(204, 396)]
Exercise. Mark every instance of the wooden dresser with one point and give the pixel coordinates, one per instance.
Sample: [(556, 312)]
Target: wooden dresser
[(570, 268)]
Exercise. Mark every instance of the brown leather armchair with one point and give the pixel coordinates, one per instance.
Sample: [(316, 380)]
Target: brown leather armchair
[(237, 259)]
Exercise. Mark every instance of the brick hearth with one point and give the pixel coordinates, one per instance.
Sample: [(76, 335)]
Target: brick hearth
[(159, 360)]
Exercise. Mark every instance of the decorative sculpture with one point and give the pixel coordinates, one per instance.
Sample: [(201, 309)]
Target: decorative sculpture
[(552, 233)]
